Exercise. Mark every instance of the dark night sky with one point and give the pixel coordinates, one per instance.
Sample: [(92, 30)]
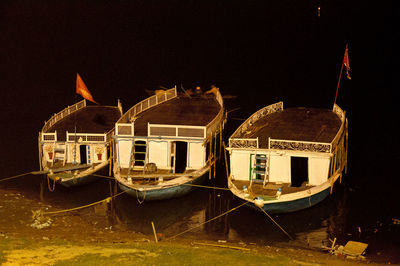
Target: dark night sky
[(261, 51)]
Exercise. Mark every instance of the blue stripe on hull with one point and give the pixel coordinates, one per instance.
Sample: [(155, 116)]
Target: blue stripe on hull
[(163, 193), (294, 205)]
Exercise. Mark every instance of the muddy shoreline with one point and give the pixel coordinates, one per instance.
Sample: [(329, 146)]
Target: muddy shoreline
[(18, 223)]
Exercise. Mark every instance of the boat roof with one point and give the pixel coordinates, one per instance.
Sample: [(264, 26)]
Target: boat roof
[(298, 124), (181, 110), (89, 119)]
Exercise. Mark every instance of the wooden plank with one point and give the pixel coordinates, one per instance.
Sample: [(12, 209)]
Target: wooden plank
[(62, 169)]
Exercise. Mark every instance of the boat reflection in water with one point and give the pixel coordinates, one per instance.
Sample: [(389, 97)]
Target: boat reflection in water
[(201, 216)]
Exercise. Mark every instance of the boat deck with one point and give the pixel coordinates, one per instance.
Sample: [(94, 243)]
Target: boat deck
[(258, 189), (298, 124), (58, 164), (182, 110), (90, 119), (140, 177), (139, 174)]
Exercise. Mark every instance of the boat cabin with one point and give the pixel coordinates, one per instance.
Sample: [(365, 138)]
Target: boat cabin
[(291, 149), (79, 134), (166, 133)]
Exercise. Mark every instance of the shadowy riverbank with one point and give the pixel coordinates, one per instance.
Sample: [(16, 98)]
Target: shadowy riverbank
[(69, 239)]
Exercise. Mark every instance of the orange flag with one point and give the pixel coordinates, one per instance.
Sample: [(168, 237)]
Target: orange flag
[(83, 90), (346, 62)]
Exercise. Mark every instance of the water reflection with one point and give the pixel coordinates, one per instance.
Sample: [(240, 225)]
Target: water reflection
[(202, 210), (311, 227), (198, 211)]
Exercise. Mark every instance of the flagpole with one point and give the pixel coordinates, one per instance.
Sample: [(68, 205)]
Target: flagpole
[(76, 101), (337, 88)]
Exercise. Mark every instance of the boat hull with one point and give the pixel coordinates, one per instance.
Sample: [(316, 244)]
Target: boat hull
[(69, 180), (73, 182), (163, 193), (291, 206)]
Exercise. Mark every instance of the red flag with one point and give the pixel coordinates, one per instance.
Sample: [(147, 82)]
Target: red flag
[(82, 89), (346, 62)]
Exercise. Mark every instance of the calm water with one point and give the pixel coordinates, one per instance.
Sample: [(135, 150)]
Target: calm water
[(260, 51)]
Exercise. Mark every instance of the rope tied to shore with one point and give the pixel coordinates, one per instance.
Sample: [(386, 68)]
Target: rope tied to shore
[(202, 186), (214, 218), (280, 227), (103, 176), (15, 176), (107, 200)]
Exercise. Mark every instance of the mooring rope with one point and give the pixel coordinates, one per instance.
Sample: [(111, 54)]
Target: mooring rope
[(51, 189), (193, 185), (216, 217), (103, 176), (85, 206), (283, 230), (15, 176)]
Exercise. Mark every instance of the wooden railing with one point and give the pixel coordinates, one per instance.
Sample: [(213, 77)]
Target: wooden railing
[(60, 115), (48, 137), (178, 131), (256, 116), (342, 116), (295, 145), (243, 143), (215, 123), (147, 103), (86, 137)]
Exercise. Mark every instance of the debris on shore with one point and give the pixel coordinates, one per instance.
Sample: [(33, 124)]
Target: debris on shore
[(352, 249), (39, 220)]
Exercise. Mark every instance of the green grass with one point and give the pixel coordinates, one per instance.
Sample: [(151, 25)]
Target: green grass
[(175, 254), (163, 253)]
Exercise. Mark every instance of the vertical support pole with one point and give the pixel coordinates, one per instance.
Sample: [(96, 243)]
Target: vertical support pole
[(334, 164), (215, 152), (154, 232), (111, 195), (226, 161), (334, 170), (220, 141), (111, 158), (40, 150), (341, 156), (347, 145), (210, 157)]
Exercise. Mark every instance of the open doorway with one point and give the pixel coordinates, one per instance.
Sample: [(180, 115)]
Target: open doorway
[(82, 151), (180, 156), (299, 170)]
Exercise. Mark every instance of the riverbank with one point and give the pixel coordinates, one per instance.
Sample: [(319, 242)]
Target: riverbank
[(24, 251), (68, 239)]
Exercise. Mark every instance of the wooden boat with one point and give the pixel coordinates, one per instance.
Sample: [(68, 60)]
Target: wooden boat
[(74, 143), (165, 144), (285, 160)]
